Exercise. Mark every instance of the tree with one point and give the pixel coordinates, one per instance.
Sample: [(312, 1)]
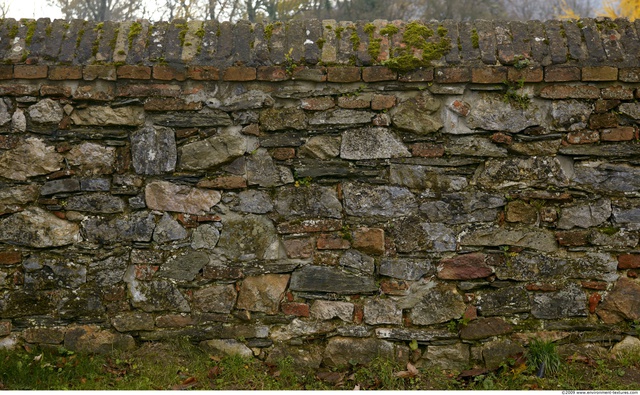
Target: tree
[(99, 10), (571, 9)]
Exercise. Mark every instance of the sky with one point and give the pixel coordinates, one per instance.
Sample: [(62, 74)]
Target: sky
[(31, 9)]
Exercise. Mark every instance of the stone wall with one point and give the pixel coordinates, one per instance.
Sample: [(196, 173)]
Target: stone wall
[(440, 192)]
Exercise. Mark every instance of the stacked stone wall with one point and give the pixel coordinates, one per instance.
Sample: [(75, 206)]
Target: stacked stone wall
[(276, 190)]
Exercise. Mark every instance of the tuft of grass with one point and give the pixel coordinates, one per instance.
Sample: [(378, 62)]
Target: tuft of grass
[(543, 356)]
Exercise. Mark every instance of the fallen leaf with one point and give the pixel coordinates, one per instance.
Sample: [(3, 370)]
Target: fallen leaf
[(213, 372), (330, 377), (410, 372), (215, 358), (357, 387), (37, 358), (189, 380)]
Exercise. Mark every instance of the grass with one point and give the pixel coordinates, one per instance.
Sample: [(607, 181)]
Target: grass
[(181, 365)]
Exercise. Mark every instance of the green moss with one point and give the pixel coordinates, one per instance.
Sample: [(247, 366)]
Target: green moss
[(328, 27), (136, 29), (515, 96), (580, 24), (31, 29), (80, 35), (369, 28), (442, 31), (355, 40), (218, 32), (374, 48), (114, 39), (320, 42), (13, 32), (415, 34), (268, 31), (339, 31), (47, 31), (416, 37), (389, 30), (200, 32), (98, 27), (475, 39), (608, 230), (121, 52), (184, 28)]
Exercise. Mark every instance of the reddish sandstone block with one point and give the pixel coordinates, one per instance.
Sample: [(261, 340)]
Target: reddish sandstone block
[(599, 73), (621, 133), (343, 74), (168, 73), (224, 182), (542, 287), (283, 153), (631, 74), (596, 285), (427, 150), (488, 75), (358, 314), (629, 261), (394, 287), (378, 73), (382, 102), (460, 107), (93, 72), (572, 238), (501, 138), (271, 73), (145, 272), (419, 75), (299, 248), (296, 309), (170, 104), (239, 73), (561, 74), (10, 257), (6, 72), (96, 93), (605, 105), (369, 240), (208, 218), (55, 90), (464, 267), (203, 73), (315, 74), (452, 75), (601, 121), (317, 103), (528, 74), (21, 71), (134, 72), (570, 92), (332, 242), (354, 102), (65, 72), (145, 90), (583, 137), (617, 93)]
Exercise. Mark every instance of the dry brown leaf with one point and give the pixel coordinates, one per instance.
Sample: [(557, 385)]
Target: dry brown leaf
[(410, 372)]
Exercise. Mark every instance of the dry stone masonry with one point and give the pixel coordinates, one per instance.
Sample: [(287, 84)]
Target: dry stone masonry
[(327, 191)]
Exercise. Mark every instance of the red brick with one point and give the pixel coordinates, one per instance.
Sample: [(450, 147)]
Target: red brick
[(358, 314), (621, 133), (55, 90), (332, 242), (632, 273), (95, 93), (378, 73), (501, 138), (224, 182), (343, 74), (134, 72), (394, 287), (10, 257), (208, 218), (317, 103), (203, 73), (283, 153), (145, 90), (460, 107), (631, 74), (599, 73), (221, 273), (629, 261), (296, 309), (419, 75), (561, 74), (583, 137), (596, 285), (354, 102), (271, 73), (488, 75), (21, 71), (570, 92), (14, 89), (464, 267), (170, 104), (369, 240), (65, 72), (617, 93), (572, 238), (528, 74), (427, 150), (450, 75), (602, 121), (299, 248), (382, 102), (605, 105), (310, 226), (145, 272), (594, 299), (316, 74), (93, 72), (471, 313), (6, 72), (168, 73), (239, 73)]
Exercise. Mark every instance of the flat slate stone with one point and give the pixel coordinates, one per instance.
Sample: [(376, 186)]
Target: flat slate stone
[(330, 280)]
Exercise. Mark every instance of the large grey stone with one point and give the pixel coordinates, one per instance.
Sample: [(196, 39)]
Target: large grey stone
[(302, 328), (215, 298), (534, 238), (35, 227), (133, 321), (205, 236), (449, 357), (308, 201), (222, 347), (153, 150), (221, 148), (92, 159), (91, 339), (168, 229), (342, 351), (630, 109), (282, 118), (247, 101), (156, 295), (136, 227), (262, 293), (330, 280), (96, 203), (108, 116), (184, 267), (524, 172), (411, 269), (340, 117), (321, 147), (206, 118), (248, 237), (46, 111), (307, 356), (30, 158), (254, 201), (324, 310), (5, 117), (362, 200), (262, 171), (109, 271), (356, 261), (607, 177), (18, 121), (459, 208), (474, 146), (570, 114), (428, 179), (382, 311), (568, 302), (439, 304), (13, 197), (371, 143), (166, 196), (585, 215), (495, 353), (415, 234), (418, 115), (490, 112), (504, 301)]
